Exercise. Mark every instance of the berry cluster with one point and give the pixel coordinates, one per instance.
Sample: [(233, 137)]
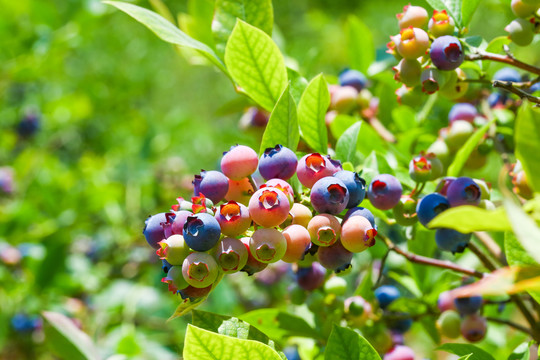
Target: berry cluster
[(521, 30), (234, 225), (461, 315)]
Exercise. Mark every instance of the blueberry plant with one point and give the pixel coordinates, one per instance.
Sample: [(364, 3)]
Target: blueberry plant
[(384, 231)]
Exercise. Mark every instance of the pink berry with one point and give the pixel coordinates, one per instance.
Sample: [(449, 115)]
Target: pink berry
[(269, 207), (298, 241), (324, 229), (413, 43), (357, 234), (267, 245), (239, 162), (233, 218), (313, 167), (415, 16)]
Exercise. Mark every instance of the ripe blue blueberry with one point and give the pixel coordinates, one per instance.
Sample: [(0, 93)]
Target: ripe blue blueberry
[(384, 191), (278, 162), (463, 191), (165, 266), (356, 186), (360, 211), (462, 111), (386, 294), (201, 231), (353, 78), (329, 195), (400, 325), (212, 184), (430, 206), (446, 53), (29, 125), (507, 74), (451, 240), (153, 230), (468, 305)]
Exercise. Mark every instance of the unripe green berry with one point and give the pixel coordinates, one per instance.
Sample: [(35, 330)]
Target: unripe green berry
[(449, 324), (520, 31), (408, 71), (335, 285)]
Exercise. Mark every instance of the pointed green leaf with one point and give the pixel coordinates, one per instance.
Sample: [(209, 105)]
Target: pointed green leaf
[(467, 10), (311, 114), (517, 256), (66, 340), (278, 324), (167, 31), (525, 228), (282, 127), (256, 64), (527, 144), (298, 84), (466, 349), (258, 13), (466, 150), (360, 45), (202, 344), (347, 344), (346, 144), (472, 218)]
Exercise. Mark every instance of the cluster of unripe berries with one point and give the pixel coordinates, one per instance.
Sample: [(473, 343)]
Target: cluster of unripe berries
[(461, 316), (234, 225), (431, 58), (521, 30)]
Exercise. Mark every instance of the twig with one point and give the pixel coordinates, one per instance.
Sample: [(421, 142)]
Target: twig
[(381, 269), (511, 324), (492, 247), (510, 60), (429, 261), (383, 132), (481, 256), (508, 85)]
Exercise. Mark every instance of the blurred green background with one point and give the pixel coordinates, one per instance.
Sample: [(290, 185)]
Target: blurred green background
[(125, 121)]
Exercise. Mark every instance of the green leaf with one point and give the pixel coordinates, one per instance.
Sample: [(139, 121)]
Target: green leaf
[(468, 7), (311, 114), (256, 64), (66, 340), (298, 84), (167, 31), (517, 256), (202, 344), (162, 10), (525, 229), (520, 353), (197, 23), (404, 117), (346, 344), (527, 144), (341, 123), (496, 45), (466, 150), (360, 45), (466, 349), (278, 324), (282, 127), (346, 144), (472, 218), (258, 13), (208, 320)]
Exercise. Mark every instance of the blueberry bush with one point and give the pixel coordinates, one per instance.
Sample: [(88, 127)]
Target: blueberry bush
[(385, 208)]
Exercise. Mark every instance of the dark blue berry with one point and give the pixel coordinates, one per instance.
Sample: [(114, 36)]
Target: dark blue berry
[(201, 232), (446, 53), (356, 186), (353, 78), (451, 240), (278, 162), (386, 294), (430, 206)]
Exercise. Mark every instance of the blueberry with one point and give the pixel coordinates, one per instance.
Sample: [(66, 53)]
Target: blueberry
[(355, 185), (324, 229), (451, 240), (165, 266), (441, 24), (269, 207), (463, 191), (233, 218), (474, 327), (267, 245), (430, 206), (386, 294), (153, 230), (239, 162), (335, 257), (446, 53), (278, 162), (462, 111), (200, 269), (212, 184), (449, 324), (384, 191), (329, 195), (400, 325), (520, 31), (360, 211), (311, 278), (468, 305), (357, 234), (353, 78), (507, 74), (313, 167), (231, 255), (412, 43), (415, 16), (252, 265), (29, 125), (201, 231)]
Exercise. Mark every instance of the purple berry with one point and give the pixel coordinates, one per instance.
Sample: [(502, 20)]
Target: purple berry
[(468, 305), (311, 278), (451, 240), (212, 184), (355, 185), (474, 327), (329, 195), (201, 231), (384, 191), (462, 111), (153, 230), (335, 257), (175, 223), (29, 125), (352, 78), (446, 53), (463, 191), (278, 162), (313, 167), (430, 206), (386, 294)]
